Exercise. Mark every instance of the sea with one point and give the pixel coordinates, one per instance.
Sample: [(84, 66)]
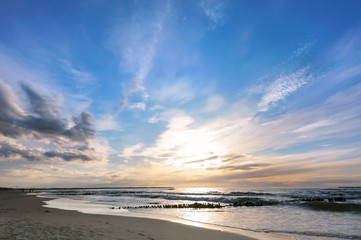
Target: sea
[(302, 214)]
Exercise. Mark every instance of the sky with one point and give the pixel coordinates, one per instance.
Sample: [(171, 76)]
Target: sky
[(204, 93)]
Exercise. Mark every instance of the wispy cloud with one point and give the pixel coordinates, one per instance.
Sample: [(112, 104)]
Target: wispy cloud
[(214, 10), (137, 43), (83, 78), (346, 73), (312, 126), (130, 150), (107, 122), (213, 103), (346, 46), (140, 106), (301, 51), (282, 87), (177, 92), (13, 70), (165, 115)]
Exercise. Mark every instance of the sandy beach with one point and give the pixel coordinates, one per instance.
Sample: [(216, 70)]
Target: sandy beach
[(23, 216)]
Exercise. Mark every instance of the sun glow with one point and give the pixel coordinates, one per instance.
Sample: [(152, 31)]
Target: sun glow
[(196, 149)]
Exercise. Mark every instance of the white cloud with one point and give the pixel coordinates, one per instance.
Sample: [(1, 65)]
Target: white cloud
[(131, 150), (315, 125), (346, 73), (153, 119), (82, 77), (214, 10), (137, 44), (179, 92), (302, 50), (107, 122), (180, 122), (282, 87), (213, 104), (140, 106), (166, 115), (155, 108)]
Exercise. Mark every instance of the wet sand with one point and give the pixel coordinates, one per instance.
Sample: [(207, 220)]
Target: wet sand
[(24, 217)]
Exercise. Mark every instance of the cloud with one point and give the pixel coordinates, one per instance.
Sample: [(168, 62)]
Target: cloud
[(13, 70), (129, 151), (346, 47), (40, 105), (282, 87), (10, 111), (180, 122), (176, 92), (254, 148), (83, 128), (214, 10), (156, 108), (166, 115), (313, 126), (136, 85), (107, 122), (140, 106), (347, 73), (182, 144), (42, 122), (45, 118), (7, 151), (82, 77), (250, 166), (137, 44), (301, 50), (68, 156), (213, 104)]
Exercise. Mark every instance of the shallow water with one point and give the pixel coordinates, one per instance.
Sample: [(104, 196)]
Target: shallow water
[(300, 213)]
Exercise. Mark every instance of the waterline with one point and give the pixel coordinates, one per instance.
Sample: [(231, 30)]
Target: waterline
[(101, 209)]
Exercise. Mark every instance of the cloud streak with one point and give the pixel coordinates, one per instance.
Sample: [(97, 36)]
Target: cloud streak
[(68, 156), (83, 78), (282, 87), (137, 44), (214, 10)]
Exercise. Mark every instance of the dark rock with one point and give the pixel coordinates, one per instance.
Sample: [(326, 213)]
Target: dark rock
[(339, 199), (312, 199)]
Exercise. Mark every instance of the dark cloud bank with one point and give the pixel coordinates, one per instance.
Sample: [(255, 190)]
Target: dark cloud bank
[(42, 120)]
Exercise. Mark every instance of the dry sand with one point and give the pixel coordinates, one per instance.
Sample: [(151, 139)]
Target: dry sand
[(24, 217)]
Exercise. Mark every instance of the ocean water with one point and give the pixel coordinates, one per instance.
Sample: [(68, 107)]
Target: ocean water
[(304, 214)]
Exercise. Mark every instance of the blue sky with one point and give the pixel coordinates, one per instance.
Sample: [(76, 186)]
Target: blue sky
[(180, 93)]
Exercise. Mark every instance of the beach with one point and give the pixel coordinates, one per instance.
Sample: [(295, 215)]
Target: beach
[(24, 216)]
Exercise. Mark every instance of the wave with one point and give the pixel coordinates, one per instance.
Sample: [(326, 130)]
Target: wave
[(314, 199), (317, 234), (159, 194), (254, 202), (192, 198), (332, 206), (296, 193)]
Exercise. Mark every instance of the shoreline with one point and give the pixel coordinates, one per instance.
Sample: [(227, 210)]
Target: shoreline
[(27, 215)]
